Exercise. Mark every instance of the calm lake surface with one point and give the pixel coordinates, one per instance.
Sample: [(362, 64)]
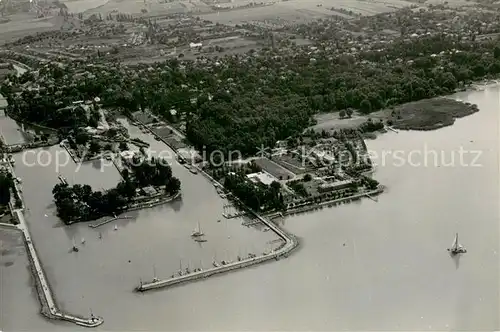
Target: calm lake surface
[(393, 273)]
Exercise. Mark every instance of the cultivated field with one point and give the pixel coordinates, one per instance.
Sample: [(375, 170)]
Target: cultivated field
[(23, 25), (452, 3), (299, 11), (145, 7), (80, 6)]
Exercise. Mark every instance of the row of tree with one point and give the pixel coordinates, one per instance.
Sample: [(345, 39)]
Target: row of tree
[(6, 184)]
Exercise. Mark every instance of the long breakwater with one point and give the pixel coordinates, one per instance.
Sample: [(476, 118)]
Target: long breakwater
[(49, 307), (290, 244)]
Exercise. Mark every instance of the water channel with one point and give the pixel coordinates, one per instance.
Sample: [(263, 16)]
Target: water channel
[(362, 266)]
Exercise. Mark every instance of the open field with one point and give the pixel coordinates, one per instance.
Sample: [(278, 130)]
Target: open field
[(304, 10), (454, 3), (274, 169), (272, 12), (79, 6), (23, 25), (332, 121), (147, 7)]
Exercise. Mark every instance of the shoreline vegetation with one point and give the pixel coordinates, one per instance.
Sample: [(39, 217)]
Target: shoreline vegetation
[(430, 114)]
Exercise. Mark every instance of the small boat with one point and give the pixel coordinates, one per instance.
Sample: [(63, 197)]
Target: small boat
[(456, 247), (75, 248), (100, 235), (218, 220), (83, 240), (215, 264), (266, 229), (180, 268), (155, 279), (200, 240), (193, 170), (116, 228), (197, 232)]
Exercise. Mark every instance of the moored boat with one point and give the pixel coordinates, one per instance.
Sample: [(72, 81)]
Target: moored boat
[(197, 232), (456, 247)]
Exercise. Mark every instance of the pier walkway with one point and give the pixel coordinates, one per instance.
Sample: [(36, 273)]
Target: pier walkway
[(290, 244), (107, 221), (54, 312)]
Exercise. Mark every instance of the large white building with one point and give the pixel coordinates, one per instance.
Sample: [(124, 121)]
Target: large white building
[(261, 177)]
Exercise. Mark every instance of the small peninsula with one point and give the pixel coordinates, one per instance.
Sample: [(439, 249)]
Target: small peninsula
[(429, 114)]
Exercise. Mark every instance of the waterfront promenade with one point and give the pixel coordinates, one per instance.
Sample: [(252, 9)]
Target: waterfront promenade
[(44, 291)]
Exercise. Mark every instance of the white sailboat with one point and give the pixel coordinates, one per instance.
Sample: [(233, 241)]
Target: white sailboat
[(116, 227), (155, 279), (197, 232), (215, 263), (83, 240), (456, 247)]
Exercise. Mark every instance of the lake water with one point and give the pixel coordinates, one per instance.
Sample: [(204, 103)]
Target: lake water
[(362, 266)]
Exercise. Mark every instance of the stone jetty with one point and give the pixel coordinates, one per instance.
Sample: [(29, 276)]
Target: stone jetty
[(290, 243), (44, 291)]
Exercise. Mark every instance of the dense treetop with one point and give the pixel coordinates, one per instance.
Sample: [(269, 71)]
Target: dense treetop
[(240, 102)]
